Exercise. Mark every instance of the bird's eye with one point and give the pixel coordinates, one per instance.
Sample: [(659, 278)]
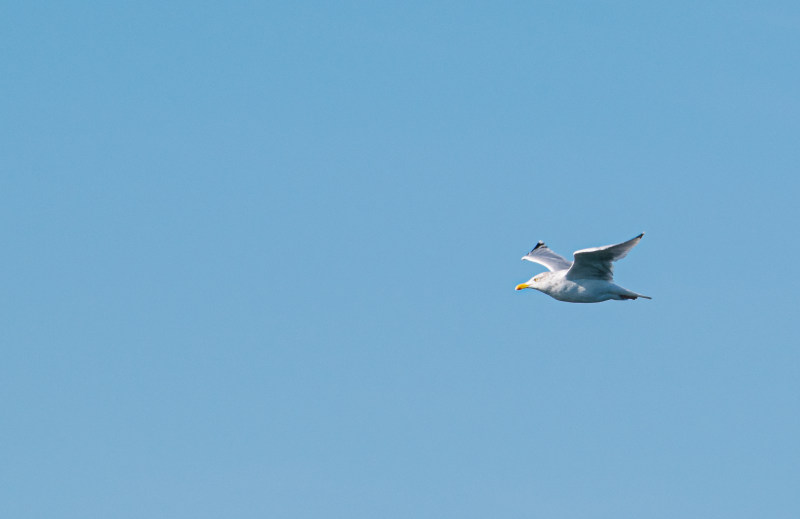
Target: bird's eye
[(536, 279)]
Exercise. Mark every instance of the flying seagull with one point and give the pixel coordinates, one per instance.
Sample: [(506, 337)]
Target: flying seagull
[(588, 279)]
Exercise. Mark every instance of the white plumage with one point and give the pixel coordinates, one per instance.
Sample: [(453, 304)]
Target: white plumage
[(588, 279)]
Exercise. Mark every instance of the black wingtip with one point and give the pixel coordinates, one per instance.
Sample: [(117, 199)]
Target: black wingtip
[(538, 245), (640, 236)]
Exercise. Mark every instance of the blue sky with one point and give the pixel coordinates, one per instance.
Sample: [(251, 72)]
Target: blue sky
[(259, 259)]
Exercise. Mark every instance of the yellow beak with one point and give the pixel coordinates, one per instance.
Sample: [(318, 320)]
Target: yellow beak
[(521, 286)]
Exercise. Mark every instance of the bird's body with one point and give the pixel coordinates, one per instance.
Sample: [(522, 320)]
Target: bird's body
[(557, 286), (588, 279)]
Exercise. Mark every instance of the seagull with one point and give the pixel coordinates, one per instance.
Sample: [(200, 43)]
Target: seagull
[(588, 279)]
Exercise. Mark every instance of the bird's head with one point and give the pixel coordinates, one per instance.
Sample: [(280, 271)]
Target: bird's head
[(535, 282)]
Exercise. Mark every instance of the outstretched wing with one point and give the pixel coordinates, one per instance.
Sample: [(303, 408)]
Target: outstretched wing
[(596, 263), (544, 256)]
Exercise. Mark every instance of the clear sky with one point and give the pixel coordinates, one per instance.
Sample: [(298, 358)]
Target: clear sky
[(258, 259)]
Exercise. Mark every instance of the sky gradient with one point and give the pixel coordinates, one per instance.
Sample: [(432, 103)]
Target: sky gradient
[(259, 259)]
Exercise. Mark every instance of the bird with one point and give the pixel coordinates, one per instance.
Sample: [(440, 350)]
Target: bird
[(588, 279)]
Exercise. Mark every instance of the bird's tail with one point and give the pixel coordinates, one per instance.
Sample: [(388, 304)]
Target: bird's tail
[(633, 295)]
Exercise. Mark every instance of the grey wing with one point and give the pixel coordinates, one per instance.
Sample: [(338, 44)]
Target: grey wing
[(597, 262), (544, 256)]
